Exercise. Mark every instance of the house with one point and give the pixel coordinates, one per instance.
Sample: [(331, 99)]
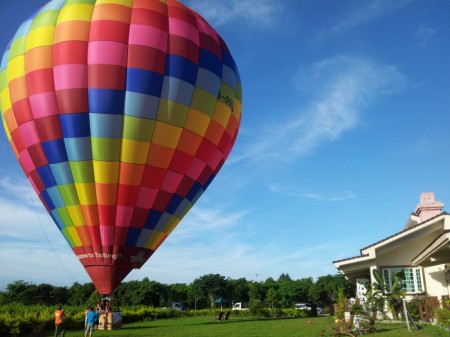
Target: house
[(420, 253)]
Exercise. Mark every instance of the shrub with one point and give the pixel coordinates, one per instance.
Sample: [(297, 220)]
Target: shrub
[(292, 312), (257, 309), (443, 314), (413, 308), (339, 307), (19, 320)]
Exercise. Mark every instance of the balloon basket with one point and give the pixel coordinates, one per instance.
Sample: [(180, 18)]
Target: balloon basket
[(110, 321)]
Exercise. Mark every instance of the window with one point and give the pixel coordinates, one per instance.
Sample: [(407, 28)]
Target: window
[(411, 278)]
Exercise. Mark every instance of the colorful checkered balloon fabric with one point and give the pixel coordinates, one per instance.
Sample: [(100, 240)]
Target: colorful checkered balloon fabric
[(120, 112)]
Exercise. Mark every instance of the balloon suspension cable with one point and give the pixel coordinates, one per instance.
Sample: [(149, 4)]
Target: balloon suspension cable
[(43, 230)]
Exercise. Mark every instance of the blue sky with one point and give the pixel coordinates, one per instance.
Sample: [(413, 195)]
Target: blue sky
[(345, 122)]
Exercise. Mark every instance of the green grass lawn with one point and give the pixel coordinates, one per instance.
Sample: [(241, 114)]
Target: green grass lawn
[(247, 327)]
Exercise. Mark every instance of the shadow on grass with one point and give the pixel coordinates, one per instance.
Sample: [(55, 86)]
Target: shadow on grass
[(248, 320), (399, 327), (149, 325)]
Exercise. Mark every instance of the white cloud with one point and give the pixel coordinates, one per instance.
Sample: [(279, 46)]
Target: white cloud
[(32, 248), (16, 190), (214, 243), (341, 87), (37, 263), (263, 13), (423, 35), (208, 240), (422, 146), (200, 220), (366, 12), (21, 222), (236, 260), (31, 243), (292, 190)]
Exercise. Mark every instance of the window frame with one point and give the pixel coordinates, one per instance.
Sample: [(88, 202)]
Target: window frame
[(413, 281)]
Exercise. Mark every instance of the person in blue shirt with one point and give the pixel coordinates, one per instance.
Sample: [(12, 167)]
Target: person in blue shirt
[(91, 317)]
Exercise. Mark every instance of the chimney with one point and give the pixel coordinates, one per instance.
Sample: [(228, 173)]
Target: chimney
[(428, 207)]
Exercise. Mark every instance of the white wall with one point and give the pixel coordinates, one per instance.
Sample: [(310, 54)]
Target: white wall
[(435, 281), (402, 253)]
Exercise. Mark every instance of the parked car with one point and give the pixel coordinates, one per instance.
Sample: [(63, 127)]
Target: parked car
[(239, 306), (177, 305), (303, 306)]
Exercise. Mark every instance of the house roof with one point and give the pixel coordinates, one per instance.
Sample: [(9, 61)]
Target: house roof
[(351, 258), (422, 224), (425, 239), (437, 251), (392, 237)]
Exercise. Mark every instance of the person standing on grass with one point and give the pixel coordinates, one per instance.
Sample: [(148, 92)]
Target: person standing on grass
[(92, 317), (97, 319), (59, 324), (85, 318)]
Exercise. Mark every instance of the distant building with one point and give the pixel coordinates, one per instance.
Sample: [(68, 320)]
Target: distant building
[(420, 252)]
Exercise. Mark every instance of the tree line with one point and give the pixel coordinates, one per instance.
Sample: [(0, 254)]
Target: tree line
[(283, 292)]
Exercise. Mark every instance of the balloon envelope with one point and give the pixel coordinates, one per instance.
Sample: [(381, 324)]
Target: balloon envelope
[(120, 112)]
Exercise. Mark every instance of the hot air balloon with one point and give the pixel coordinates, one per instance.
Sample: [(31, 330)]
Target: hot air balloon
[(120, 113)]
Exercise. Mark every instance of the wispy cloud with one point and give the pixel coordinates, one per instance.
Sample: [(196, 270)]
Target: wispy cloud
[(366, 12), (39, 264), (422, 146), (211, 239), (345, 195), (16, 190), (423, 35), (263, 13), (30, 241), (342, 87), (291, 190), (20, 221), (212, 220), (239, 260)]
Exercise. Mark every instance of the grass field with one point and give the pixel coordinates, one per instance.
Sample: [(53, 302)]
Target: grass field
[(247, 327)]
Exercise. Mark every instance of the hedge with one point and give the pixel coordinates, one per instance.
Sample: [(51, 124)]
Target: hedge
[(18, 320)]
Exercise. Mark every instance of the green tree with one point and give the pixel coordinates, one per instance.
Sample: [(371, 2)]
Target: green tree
[(271, 283), (326, 289), (375, 295), (152, 293), (127, 293), (302, 289), (177, 292), (340, 304), (16, 292), (293, 291), (256, 291), (29, 294), (394, 296), (256, 307), (272, 298), (284, 278), (196, 298), (211, 286), (59, 295), (80, 293), (238, 290), (287, 294), (3, 300)]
